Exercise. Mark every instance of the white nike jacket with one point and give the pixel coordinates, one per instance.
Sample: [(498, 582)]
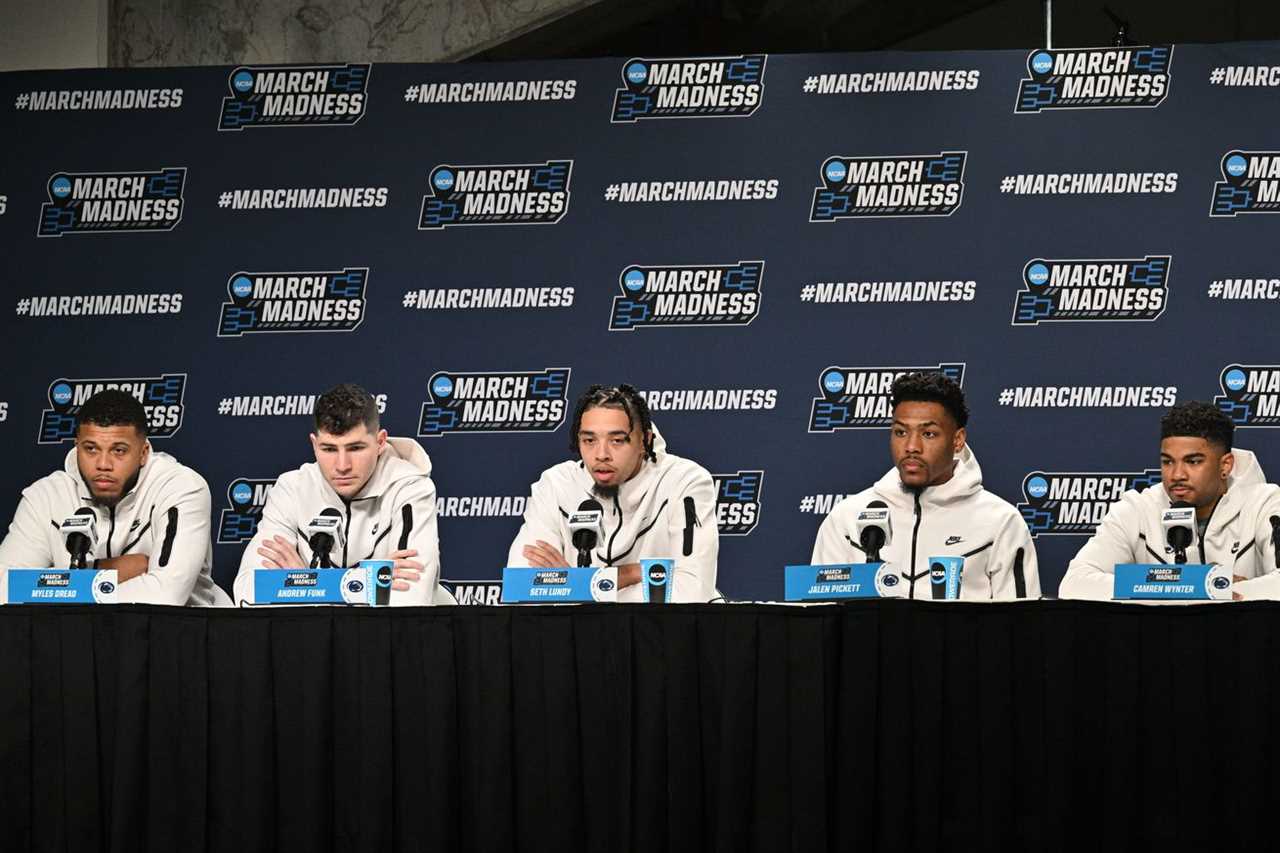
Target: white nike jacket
[(1239, 537), (395, 510), (165, 516), (956, 519), (666, 511)]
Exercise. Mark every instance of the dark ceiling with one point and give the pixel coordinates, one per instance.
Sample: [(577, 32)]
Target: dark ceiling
[(708, 27)]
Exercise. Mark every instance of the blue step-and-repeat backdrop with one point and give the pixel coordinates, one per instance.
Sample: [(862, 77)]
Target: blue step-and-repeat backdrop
[(758, 243)]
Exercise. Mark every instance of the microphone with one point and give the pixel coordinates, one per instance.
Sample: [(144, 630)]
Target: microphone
[(584, 528), (1275, 538), (1179, 522), (873, 529), (80, 533), (324, 533)]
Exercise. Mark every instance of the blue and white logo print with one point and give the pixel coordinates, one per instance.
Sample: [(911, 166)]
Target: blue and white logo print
[(738, 501), (517, 401), (693, 87), (1250, 184), (1250, 394), (332, 301), (295, 96), (1092, 290), (699, 295), (510, 194), (112, 202), (245, 499), (903, 185), (161, 397), (1074, 503), (858, 397), (1095, 78)]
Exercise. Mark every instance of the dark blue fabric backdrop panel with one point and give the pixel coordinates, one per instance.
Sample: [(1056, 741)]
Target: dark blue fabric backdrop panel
[(399, 346)]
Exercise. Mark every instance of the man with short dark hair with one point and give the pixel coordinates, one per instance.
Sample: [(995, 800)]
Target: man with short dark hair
[(656, 505), (1233, 506), (937, 505), (380, 488), (152, 514)]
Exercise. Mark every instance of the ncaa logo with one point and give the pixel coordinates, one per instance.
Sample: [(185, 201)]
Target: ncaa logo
[(242, 493), (633, 280), (1236, 165), (61, 186), (1235, 380), (833, 382), (835, 171), (242, 287), (242, 81), (62, 393), (443, 180), (937, 573), (637, 73), (1042, 63), (1038, 274), (442, 386), (1037, 487)]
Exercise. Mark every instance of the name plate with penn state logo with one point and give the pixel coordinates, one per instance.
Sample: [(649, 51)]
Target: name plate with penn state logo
[(553, 586), (368, 583), (1172, 582), (62, 586), (834, 582)]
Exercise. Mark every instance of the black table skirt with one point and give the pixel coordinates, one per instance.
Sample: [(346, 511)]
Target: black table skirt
[(883, 725)]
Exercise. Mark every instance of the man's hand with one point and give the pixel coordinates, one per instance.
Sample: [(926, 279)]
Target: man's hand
[(1235, 596), (127, 566), (405, 571), (544, 555), (628, 575), (279, 553)]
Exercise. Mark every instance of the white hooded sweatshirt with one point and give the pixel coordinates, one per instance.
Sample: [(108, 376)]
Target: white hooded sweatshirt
[(165, 516), (958, 518), (666, 511), (1239, 536), (395, 510)]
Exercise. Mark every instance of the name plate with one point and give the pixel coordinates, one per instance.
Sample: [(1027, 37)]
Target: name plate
[(62, 586), (523, 586), (368, 583), (831, 583), (1189, 581)]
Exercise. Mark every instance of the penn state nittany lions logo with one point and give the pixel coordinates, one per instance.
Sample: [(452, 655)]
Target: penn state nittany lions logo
[(687, 296), (1056, 291), (245, 499), (705, 87), (1250, 394), (161, 397), (1095, 78), (907, 185), (858, 397), (738, 501), (295, 96), (523, 194), (1250, 184), (532, 401), (112, 202), (294, 302), (1063, 503)]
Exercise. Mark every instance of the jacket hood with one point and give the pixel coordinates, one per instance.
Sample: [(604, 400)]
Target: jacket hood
[(964, 483), (401, 459), (1247, 471)]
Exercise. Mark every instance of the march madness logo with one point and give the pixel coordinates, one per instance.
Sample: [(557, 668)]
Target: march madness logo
[(525, 194), (858, 397), (1250, 184), (726, 295), (1250, 394), (738, 501), (1081, 290), (294, 302), (112, 202), (1095, 78), (161, 396), (693, 87), (533, 401), (245, 499), (909, 185), (310, 96), (1059, 503)]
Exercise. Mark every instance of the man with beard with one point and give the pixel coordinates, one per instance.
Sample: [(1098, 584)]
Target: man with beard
[(656, 505), (937, 505), (151, 513), (1233, 506)]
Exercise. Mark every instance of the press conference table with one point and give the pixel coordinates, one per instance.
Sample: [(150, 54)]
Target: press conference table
[(878, 725)]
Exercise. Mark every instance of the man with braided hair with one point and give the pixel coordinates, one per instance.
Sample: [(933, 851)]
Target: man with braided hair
[(656, 505)]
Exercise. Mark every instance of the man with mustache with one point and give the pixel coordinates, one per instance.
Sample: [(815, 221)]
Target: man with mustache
[(936, 502), (656, 505), (1233, 506), (151, 513)]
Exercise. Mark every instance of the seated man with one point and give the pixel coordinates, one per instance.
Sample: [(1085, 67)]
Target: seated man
[(936, 503), (656, 505), (152, 514), (1233, 509), (381, 489)]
